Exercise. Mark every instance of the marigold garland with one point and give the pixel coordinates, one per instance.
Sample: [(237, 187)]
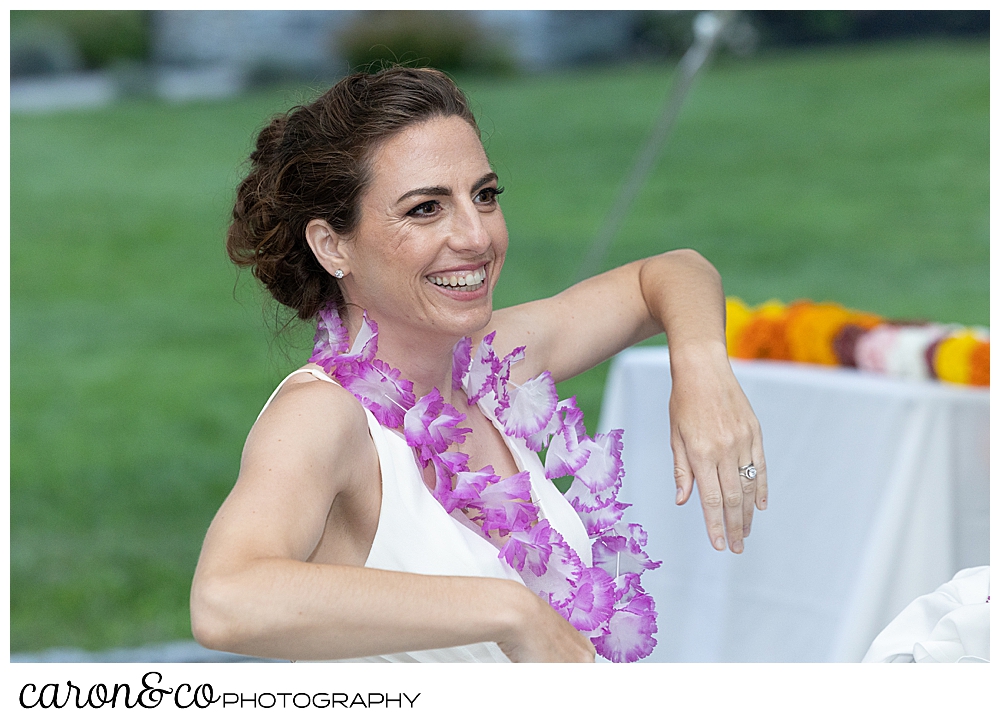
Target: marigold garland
[(833, 335), (979, 360), (953, 359), (763, 334)]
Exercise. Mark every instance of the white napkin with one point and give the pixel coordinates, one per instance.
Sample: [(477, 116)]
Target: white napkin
[(950, 625)]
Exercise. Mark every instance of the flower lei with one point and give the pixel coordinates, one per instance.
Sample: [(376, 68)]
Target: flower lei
[(606, 601)]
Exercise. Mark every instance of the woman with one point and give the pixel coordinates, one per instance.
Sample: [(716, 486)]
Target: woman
[(365, 522)]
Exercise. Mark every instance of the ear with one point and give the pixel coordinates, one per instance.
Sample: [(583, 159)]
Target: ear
[(327, 246)]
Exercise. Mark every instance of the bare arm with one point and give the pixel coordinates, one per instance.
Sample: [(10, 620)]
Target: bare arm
[(256, 592), (714, 432), (678, 292)]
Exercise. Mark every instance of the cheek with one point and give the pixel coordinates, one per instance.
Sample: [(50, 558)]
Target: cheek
[(499, 235), (500, 241)]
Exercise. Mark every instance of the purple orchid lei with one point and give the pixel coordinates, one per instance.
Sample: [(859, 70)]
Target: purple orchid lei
[(606, 601)]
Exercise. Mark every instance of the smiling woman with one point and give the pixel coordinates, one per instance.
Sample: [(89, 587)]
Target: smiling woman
[(366, 523)]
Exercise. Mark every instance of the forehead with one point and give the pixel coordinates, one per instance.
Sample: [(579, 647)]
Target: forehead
[(437, 152)]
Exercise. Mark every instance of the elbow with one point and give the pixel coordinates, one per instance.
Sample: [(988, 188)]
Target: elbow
[(691, 264), (679, 263), (691, 257), (683, 254), (212, 622)]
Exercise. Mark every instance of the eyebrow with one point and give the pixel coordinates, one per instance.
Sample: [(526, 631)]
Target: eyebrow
[(444, 190)]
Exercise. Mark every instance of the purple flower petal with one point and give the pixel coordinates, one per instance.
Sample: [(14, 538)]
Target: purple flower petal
[(619, 550), (531, 407), (593, 600), (454, 462), (642, 604), (557, 421), (633, 533), (511, 359), (619, 555), (506, 506), (379, 388), (540, 439), (562, 573), (599, 520), (446, 466), (629, 637), (331, 339), (469, 486), (484, 366), (513, 516), (603, 467), (418, 418), (365, 344), (460, 361), (430, 426), (566, 453), (584, 499), (530, 548), (501, 377), (626, 587), (572, 416)]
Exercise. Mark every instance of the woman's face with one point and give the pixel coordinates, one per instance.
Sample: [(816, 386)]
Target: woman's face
[(432, 238)]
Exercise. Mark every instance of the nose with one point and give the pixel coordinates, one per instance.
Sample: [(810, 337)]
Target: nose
[(470, 232)]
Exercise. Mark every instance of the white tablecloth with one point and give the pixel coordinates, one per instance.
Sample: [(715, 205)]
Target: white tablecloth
[(878, 493)]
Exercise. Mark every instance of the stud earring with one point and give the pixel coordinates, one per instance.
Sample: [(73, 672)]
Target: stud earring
[(338, 274)]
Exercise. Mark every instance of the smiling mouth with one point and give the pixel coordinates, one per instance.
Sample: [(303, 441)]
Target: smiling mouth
[(464, 281)]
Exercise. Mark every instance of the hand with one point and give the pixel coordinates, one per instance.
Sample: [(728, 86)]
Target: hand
[(541, 635), (714, 432)]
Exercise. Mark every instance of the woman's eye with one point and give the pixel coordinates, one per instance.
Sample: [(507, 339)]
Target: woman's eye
[(424, 209), (488, 195)]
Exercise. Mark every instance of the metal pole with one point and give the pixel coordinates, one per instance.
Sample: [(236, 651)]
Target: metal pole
[(708, 27)]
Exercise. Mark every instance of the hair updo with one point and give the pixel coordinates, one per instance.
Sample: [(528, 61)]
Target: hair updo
[(314, 162)]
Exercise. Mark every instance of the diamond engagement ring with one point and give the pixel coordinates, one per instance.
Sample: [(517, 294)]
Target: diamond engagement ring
[(748, 471)]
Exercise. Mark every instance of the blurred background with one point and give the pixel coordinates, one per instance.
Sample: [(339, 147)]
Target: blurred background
[(830, 155)]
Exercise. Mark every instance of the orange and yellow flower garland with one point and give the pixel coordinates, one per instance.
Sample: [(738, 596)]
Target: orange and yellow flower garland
[(828, 333)]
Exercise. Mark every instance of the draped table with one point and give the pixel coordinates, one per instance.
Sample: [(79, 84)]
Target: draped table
[(878, 493)]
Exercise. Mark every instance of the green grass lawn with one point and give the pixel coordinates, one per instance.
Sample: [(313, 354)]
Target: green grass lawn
[(139, 358)]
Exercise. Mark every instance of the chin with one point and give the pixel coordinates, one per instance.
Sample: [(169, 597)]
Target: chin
[(472, 323), (464, 322)]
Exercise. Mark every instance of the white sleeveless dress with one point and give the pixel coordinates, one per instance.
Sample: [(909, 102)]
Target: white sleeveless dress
[(416, 535)]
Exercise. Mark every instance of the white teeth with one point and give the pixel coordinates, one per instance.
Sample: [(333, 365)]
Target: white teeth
[(470, 280)]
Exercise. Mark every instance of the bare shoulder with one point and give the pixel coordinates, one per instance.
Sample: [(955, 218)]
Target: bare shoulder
[(314, 410), (314, 429), (308, 456)]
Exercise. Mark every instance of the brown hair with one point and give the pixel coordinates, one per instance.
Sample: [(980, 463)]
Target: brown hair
[(314, 163)]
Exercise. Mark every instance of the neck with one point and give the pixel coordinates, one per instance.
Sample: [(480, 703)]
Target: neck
[(425, 359)]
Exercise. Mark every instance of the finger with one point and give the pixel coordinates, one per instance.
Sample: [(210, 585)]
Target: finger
[(711, 505), (757, 447), (683, 476), (746, 477), (749, 488), (732, 502), (748, 484)]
